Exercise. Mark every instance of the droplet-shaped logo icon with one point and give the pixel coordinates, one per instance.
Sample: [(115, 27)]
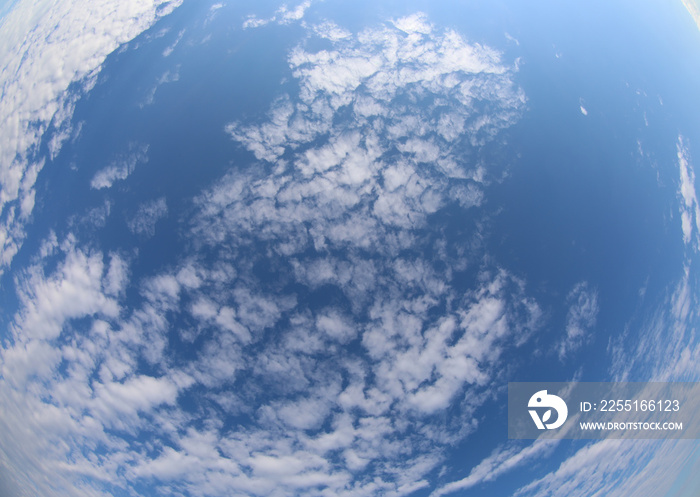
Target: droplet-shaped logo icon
[(543, 399)]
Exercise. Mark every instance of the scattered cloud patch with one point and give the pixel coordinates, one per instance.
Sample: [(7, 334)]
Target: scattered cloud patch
[(170, 49), (147, 215), (342, 207), (694, 10), (689, 208), (583, 110), (331, 31), (283, 15), (582, 315), (169, 76), (120, 168), (645, 467)]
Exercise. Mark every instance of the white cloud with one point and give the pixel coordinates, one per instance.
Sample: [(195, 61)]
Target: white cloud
[(499, 463), (295, 14), (115, 402), (618, 468), (512, 39), (169, 50), (331, 31), (689, 208), (120, 168), (583, 311), (385, 62), (283, 15), (71, 362), (44, 47), (254, 22), (169, 76), (336, 326), (415, 23), (669, 332), (75, 290), (347, 397), (146, 217)]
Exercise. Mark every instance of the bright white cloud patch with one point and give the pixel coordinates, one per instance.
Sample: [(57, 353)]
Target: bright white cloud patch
[(584, 111), (121, 168), (44, 47)]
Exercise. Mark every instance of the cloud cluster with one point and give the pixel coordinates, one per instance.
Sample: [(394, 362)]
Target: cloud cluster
[(71, 371), (619, 468), (45, 47), (320, 336), (353, 373)]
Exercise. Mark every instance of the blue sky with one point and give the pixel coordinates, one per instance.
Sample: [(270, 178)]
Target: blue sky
[(276, 253)]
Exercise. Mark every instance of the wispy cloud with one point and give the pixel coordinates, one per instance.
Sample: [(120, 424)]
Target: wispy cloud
[(690, 209), (499, 463), (618, 468), (146, 217), (283, 15), (169, 76), (120, 168), (644, 468), (581, 317), (169, 50)]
